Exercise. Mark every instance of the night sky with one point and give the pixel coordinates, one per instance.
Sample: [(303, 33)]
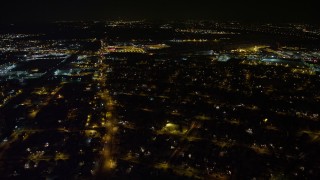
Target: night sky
[(241, 10)]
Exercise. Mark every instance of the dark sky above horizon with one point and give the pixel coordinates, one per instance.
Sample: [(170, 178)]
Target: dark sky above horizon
[(242, 10)]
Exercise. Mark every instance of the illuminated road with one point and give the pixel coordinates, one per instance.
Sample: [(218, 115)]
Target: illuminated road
[(107, 160), (4, 146)]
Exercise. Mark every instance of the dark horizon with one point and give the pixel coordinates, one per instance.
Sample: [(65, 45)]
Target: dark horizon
[(18, 11), (158, 99)]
